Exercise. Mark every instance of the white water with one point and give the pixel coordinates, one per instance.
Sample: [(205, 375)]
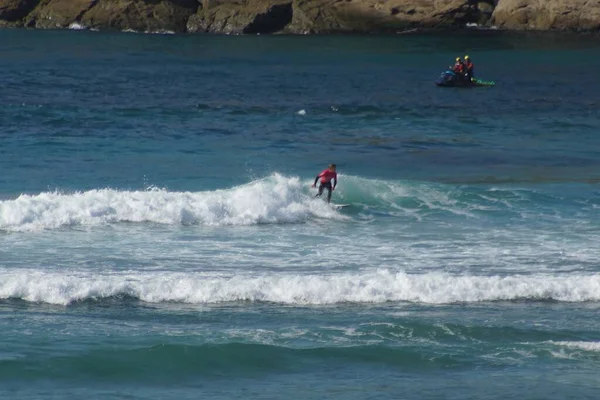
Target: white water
[(280, 199), (433, 244), (579, 345), (276, 199), (376, 286)]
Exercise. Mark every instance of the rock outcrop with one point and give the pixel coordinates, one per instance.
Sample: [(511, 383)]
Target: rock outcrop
[(374, 15), (255, 16), (137, 15), (300, 16), (140, 15), (16, 10), (577, 15), (314, 16)]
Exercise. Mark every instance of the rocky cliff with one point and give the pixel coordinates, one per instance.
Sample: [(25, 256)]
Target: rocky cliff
[(576, 15), (299, 16)]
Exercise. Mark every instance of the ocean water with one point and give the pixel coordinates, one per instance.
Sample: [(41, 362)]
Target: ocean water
[(159, 239)]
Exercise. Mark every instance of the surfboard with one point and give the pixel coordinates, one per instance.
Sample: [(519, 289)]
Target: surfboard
[(338, 206)]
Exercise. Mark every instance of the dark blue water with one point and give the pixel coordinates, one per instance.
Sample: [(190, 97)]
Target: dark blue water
[(159, 238)]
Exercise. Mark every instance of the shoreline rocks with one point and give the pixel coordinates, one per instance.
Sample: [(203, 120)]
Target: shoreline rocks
[(561, 15), (300, 16)]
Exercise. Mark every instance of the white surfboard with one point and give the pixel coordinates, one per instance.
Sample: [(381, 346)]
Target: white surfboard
[(338, 206)]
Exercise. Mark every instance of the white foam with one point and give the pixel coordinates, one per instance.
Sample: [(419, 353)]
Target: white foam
[(276, 199), (366, 287), (77, 26), (587, 346), (160, 32)]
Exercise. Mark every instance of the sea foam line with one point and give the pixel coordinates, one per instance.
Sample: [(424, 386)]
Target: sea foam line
[(276, 199), (366, 287), (580, 345)]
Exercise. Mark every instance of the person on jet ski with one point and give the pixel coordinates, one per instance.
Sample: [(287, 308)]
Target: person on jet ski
[(468, 68), (458, 68)]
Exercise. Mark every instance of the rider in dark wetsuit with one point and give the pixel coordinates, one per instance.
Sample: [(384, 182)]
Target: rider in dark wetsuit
[(469, 68), (326, 177)]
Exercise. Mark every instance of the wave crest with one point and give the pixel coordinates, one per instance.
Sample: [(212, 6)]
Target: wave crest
[(272, 200), (366, 287)]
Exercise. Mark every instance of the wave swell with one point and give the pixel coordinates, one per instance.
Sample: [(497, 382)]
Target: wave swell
[(280, 199), (366, 287)]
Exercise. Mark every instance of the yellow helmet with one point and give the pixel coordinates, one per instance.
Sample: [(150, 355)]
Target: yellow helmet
[(457, 58), (466, 57)]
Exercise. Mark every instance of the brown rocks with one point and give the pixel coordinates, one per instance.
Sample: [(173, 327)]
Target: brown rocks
[(57, 13), (311, 16), (576, 15), (137, 15), (300, 16), (257, 16), (16, 10)]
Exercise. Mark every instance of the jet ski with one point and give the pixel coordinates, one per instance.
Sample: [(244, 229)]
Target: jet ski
[(451, 79)]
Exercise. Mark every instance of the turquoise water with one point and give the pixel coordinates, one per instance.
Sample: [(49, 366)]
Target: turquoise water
[(159, 238)]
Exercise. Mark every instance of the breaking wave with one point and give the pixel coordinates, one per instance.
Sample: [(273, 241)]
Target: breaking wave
[(365, 287)]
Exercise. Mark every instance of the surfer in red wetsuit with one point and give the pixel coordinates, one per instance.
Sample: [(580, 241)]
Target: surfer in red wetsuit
[(327, 176)]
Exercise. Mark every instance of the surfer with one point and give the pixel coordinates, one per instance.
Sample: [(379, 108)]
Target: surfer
[(327, 176)]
